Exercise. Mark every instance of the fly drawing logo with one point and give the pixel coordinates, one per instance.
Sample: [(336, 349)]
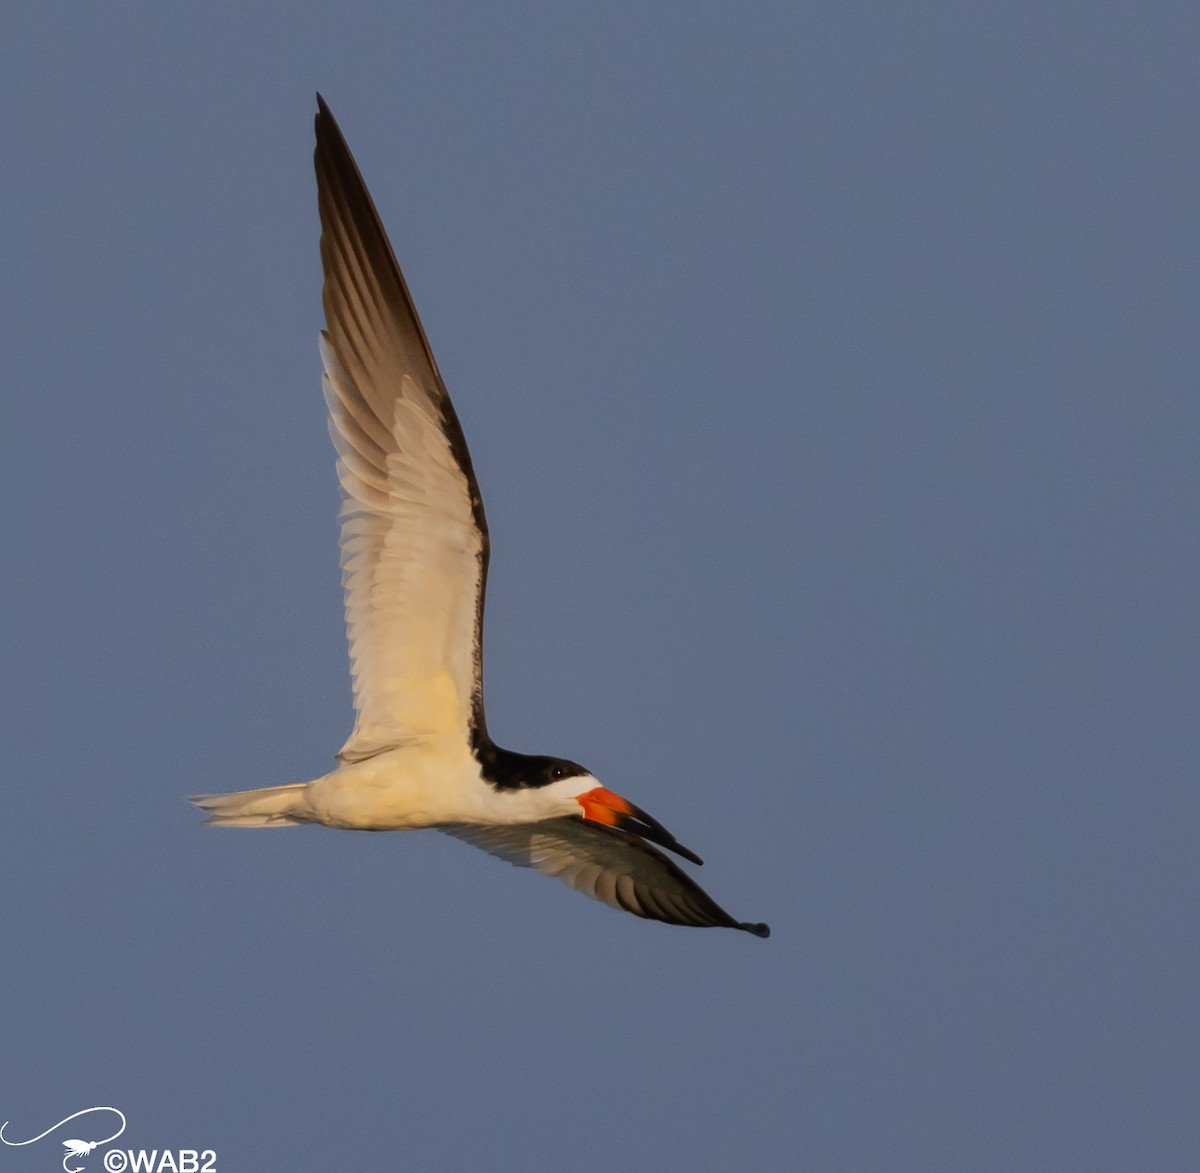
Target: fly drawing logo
[(74, 1148)]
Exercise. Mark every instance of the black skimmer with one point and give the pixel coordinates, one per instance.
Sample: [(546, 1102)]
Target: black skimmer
[(414, 544)]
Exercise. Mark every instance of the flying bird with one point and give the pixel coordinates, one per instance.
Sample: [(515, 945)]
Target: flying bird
[(414, 553)]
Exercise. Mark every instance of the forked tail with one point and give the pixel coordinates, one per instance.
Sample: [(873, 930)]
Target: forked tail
[(272, 806)]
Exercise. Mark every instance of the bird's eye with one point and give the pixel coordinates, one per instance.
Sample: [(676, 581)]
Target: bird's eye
[(557, 772)]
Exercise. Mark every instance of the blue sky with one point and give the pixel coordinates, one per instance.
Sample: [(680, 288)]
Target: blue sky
[(830, 372)]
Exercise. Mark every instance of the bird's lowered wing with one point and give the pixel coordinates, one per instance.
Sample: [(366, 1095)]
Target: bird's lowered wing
[(605, 864), (414, 538)]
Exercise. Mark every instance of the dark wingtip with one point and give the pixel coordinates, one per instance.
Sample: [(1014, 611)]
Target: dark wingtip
[(761, 929), (324, 118)]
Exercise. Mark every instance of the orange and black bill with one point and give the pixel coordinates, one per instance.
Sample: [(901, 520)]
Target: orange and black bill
[(603, 806)]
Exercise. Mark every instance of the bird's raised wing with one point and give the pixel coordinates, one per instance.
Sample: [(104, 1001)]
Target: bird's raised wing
[(414, 537), (605, 864)]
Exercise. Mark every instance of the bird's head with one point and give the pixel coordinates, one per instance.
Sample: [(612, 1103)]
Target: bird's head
[(581, 794)]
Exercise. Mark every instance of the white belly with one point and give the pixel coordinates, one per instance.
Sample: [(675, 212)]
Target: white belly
[(419, 786)]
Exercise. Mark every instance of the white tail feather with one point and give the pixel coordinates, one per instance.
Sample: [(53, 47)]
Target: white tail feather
[(272, 806)]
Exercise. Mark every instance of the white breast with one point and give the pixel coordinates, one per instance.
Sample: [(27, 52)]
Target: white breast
[(428, 784)]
